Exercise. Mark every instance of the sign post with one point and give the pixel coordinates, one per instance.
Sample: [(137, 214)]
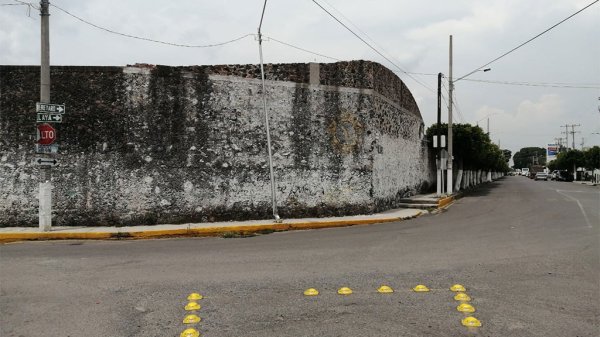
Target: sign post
[(46, 133)]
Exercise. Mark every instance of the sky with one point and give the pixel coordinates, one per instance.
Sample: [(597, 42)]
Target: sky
[(413, 35)]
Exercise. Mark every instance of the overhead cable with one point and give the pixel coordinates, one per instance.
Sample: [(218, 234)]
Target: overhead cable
[(371, 39), (148, 39), (549, 85), (302, 49), (181, 44), (373, 48), (526, 42)]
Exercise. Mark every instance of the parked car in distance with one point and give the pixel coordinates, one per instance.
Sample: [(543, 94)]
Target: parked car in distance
[(564, 176), (541, 176), (553, 175)]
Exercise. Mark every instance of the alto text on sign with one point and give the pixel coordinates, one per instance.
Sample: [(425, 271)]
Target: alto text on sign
[(46, 134)]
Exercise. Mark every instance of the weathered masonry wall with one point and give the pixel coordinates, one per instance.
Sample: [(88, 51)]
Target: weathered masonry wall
[(153, 144)]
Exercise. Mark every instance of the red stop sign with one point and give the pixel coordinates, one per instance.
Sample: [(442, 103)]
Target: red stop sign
[(46, 134)]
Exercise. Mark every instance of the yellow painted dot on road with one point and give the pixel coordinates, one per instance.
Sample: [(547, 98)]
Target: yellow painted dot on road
[(191, 319), (345, 291), (385, 290), (470, 322), (465, 307), (421, 289), (195, 297), (457, 288), (311, 292), (190, 333), (192, 306), (462, 297)]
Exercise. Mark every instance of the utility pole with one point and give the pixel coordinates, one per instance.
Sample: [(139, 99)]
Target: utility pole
[(573, 132), (558, 142), (45, 187), (488, 126), (439, 185), (450, 142), (566, 132)]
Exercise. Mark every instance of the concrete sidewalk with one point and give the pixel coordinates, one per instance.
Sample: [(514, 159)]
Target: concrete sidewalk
[(589, 183), (11, 234)]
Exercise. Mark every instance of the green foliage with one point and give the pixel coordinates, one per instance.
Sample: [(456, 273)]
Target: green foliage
[(507, 154), (472, 147), (590, 159), (524, 157), (568, 160)]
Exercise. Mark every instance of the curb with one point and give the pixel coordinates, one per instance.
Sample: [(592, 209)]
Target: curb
[(192, 232), (445, 201)]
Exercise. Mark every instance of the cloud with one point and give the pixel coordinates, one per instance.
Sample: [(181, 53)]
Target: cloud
[(530, 123), (482, 17)]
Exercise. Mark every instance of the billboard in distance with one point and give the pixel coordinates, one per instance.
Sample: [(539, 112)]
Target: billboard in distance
[(551, 152)]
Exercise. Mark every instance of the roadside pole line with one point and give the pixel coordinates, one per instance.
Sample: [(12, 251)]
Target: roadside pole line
[(587, 220)]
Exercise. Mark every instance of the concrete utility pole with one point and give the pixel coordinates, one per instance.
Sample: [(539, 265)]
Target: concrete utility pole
[(558, 142), (450, 141), (264, 97), (566, 132), (573, 132), (45, 187), (438, 140)]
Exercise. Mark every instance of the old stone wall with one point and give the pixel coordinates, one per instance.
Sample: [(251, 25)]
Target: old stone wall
[(153, 144)]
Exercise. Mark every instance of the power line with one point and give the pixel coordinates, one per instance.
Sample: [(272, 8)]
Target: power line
[(526, 42), (148, 39), (302, 49), (454, 102), (30, 4), (183, 45), (549, 85), (372, 40), (373, 48)]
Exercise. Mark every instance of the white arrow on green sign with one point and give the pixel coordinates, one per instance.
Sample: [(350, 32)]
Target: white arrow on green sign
[(50, 108), (49, 118)]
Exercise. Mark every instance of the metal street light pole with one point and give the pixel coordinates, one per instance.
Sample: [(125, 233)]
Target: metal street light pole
[(450, 99), (264, 97)]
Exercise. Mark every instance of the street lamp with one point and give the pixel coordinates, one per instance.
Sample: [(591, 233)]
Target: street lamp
[(450, 97), (266, 114)]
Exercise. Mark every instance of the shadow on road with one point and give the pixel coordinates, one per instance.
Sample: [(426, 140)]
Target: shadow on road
[(481, 190)]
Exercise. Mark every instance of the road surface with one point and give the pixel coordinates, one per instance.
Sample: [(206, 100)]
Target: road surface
[(528, 253)]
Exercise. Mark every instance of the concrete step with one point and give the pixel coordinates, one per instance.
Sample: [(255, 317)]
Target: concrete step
[(417, 205)]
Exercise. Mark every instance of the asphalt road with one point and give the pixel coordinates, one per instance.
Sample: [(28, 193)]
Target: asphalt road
[(528, 253)]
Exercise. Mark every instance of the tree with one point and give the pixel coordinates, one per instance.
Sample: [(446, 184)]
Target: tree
[(525, 157), (592, 158), (507, 154), (472, 147), (568, 160)]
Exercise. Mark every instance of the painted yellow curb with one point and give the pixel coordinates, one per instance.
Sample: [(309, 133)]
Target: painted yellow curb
[(11, 237), (445, 201), (189, 232)]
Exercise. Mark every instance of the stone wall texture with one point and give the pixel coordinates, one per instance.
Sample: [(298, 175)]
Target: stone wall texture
[(150, 144)]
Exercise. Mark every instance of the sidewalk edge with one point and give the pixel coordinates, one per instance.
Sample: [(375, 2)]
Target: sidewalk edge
[(193, 232)]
